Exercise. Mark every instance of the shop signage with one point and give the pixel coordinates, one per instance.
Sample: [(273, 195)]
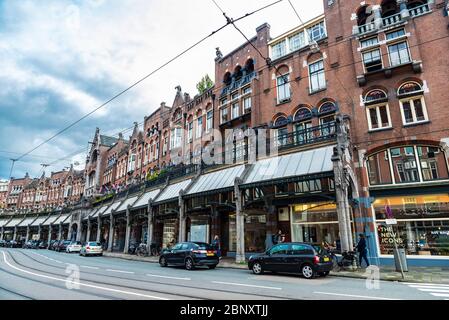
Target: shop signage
[(35, 237), (391, 221), (388, 236)]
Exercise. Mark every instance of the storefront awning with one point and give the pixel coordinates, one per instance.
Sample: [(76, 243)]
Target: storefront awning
[(171, 192), (14, 222), (216, 181), (110, 208), (51, 220), (306, 163), (40, 220), (98, 211), (124, 205), (27, 221), (143, 200), (64, 219), (3, 222)]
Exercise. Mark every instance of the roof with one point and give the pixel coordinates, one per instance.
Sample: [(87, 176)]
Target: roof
[(40, 220), (107, 141), (143, 200), (171, 192), (217, 180), (291, 165), (110, 208), (27, 221), (129, 201), (14, 222)]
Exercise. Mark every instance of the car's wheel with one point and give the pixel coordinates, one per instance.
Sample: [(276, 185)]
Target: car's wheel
[(213, 266), (189, 264), (307, 271), (162, 262), (257, 268)]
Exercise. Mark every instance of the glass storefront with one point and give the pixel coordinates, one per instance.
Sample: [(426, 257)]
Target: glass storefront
[(423, 224), (315, 222), (199, 229), (255, 232), (169, 233)]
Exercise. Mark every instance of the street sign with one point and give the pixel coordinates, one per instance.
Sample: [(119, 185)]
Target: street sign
[(391, 222)]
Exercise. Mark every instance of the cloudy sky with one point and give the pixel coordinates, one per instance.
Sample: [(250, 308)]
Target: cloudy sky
[(60, 59)]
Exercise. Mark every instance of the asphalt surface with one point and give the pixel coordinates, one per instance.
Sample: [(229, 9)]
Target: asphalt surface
[(48, 275)]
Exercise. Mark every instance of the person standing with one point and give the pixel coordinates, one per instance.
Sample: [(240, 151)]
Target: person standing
[(216, 245), (362, 250)]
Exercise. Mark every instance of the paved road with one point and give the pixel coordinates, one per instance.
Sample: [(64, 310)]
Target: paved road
[(43, 274)]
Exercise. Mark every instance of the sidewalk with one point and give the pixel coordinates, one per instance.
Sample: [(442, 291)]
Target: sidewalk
[(415, 274)]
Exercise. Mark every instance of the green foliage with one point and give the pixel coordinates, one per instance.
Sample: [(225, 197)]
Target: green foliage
[(205, 84)]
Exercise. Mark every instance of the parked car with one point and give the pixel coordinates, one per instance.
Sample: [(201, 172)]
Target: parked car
[(190, 255), (53, 244), (62, 246), (91, 249), (31, 244), (74, 246), (3, 243), (14, 244), (43, 245), (295, 257)]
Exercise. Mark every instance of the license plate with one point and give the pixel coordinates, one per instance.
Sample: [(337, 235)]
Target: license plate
[(210, 254), (326, 259)]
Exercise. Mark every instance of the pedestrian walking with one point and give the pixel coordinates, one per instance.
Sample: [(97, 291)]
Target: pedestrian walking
[(216, 245), (279, 237), (362, 250)]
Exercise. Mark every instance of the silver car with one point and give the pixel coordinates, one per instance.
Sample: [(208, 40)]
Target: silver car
[(91, 249), (74, 246)]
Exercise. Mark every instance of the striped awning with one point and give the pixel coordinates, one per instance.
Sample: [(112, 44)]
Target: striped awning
[(40, 220), (110, 208), (14, 222), (171, 192), (27, 221), (51, 220), (64, 219), (124, 205), (143, 200)]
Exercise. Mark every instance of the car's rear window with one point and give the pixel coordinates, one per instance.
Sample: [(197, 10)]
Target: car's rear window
[(202, 246), (66, 242), (76, 242), (93, 244)]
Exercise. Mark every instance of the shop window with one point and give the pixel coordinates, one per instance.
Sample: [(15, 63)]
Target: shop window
[(379, 168), (433, 163), (405, 167)]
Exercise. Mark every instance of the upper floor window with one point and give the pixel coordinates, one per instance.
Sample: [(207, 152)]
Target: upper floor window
[(190, 131), (223, 115), (316, 76), (278, 50), (235, 110), (369, 42), (199, 127), (372, 60), (175, 138), (280, 134), (399, 53), (297, 41), (377, 110), (317, 31), (210, 120), (411, 100), (303, 119), (283, 88), (395, 34)]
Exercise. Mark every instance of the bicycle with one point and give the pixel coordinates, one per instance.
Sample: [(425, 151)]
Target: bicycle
[(155, 249), (348, 259), (142, 250)]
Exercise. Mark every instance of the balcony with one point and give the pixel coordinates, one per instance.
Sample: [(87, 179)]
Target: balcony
[(238, 83), (318, 134), (391, 20)]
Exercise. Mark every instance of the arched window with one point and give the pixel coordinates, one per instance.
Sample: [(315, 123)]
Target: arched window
[(377, 109), (281, 131), (303, 119), (249, 66), (227, 79), (327, 112), (389, 8), (280, 121), (413, 106), (237, 72), (411, 4), (327, 107), (363, 13)]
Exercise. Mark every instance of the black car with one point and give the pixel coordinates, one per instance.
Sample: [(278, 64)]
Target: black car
[(3, 243), (62, 245), (53, 245), (190, 255), (43, 245), (14, 244), (295, 257), (31, 244)]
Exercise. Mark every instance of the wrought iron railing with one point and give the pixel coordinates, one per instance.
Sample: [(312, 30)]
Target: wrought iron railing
[(238, 83)]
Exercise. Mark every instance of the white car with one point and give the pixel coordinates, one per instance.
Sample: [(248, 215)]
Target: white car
[(91, 249), (74, 246)]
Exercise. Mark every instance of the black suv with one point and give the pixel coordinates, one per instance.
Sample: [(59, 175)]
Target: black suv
[(190, 255), (295, 257)]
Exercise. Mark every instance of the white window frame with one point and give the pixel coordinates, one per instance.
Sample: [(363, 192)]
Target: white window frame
[(235, 111), (223, 111), (199, 127), (412, 105), (286, 88), (190, 132), (396, 42), (368, 51), (312, 90), (209, 120), (377, 107)]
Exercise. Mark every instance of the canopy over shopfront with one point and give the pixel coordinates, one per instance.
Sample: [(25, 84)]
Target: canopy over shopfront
[(171, 192), (13, 222), (27, 221), (143, 200), (63, 218), (51, 220), (291, 167), (3, 222), (128, 202), (216, 181), (39, 221), (110, 208)]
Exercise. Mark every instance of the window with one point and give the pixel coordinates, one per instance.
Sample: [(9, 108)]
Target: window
[(297, 41), (246, 91), (223, 115), (283, 88), (278, 50), (308, 186), (395, 34), (235, 110), (247, 104), (302, 134), (316, 74), (399, 54), (175, 138), (375, 96), (223, 102), (410, 88), (279, 249), (369, 42), (372, 60), (281, 136), (210, 120), (234, 96), (378, 117), (405, 167), (190, 133), (199, 127), (281, 189), (433, 163), (413, 110), (317, 32)]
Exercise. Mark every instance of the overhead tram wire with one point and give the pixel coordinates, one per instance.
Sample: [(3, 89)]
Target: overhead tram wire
[(144, 78)]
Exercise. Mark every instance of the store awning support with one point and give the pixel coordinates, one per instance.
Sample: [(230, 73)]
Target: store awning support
[(111, 230), (240, 223), (150, 225), (182, 217), (128, 229), (98, 228)]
